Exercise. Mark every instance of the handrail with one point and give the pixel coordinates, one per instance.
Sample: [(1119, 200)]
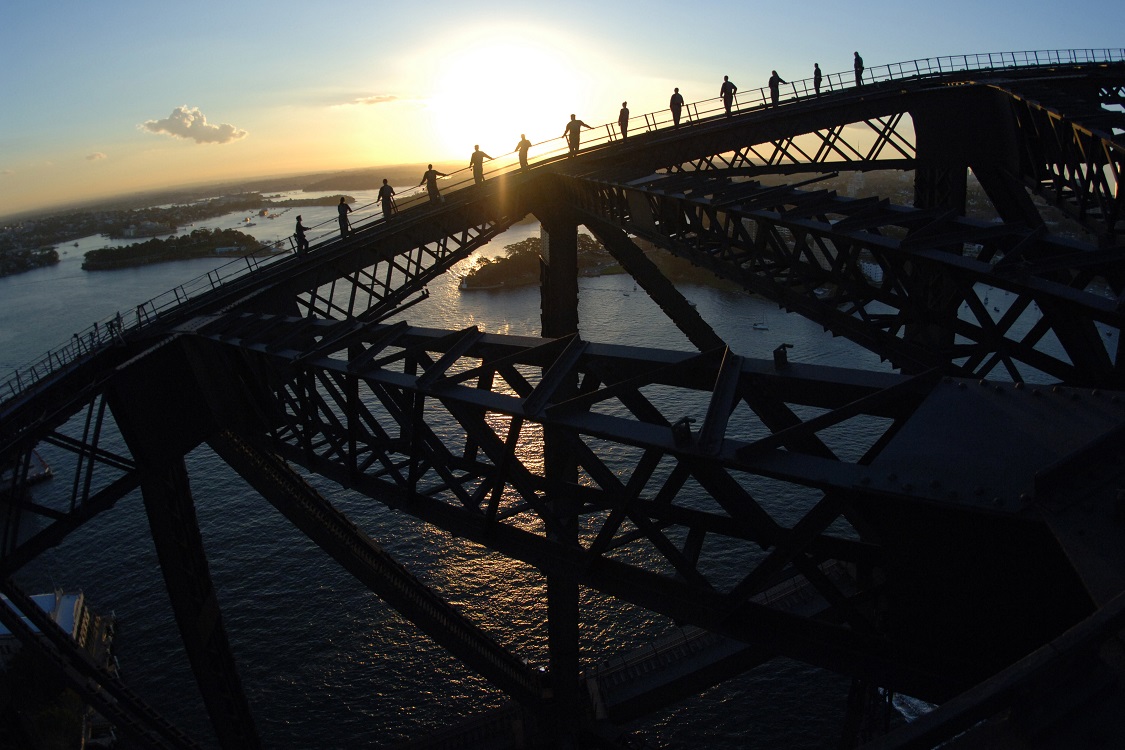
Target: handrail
[(109, 330)]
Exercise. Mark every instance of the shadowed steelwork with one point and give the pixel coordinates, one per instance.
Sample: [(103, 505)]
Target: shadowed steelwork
[(968, 518)]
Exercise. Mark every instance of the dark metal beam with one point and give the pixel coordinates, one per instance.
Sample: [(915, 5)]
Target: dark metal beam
[(179, 547)]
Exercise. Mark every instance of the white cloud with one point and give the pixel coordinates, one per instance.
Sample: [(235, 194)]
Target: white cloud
[(377, 99), (96, 156), (189, 122), (363, 100)]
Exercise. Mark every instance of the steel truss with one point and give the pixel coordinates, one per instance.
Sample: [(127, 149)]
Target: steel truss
[(87, 455), (433, 423), (391, 265), (838, 146), (1072, 158), (437, 424), (375, 273), (873, 272)]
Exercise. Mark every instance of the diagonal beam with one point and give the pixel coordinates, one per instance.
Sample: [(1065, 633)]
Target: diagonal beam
[(358, 554)]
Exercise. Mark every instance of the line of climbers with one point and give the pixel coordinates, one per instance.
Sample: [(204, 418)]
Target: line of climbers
[(572, 134)]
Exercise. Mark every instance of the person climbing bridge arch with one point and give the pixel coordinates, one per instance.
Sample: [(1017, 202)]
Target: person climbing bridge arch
[(572, 133)]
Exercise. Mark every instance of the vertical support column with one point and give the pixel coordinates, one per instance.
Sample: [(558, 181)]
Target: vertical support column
[(940, 181), (559, 301), (941, 184), (558, 288), (179, 547)]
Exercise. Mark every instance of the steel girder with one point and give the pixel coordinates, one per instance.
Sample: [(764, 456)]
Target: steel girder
[(384, 272), (1072, 158), (103, 474), (369, 276), (88, 456), (366, 277), (438, 425), (179, 547), (865, 269), (378, 268), (370, 564), (837, 146)]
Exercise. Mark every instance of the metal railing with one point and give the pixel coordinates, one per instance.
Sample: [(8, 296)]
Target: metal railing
[(109, 331)]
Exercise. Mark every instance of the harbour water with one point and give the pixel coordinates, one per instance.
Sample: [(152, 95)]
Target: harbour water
[(327, 665)]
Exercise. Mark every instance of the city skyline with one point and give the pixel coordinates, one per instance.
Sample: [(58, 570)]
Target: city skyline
[(102, 101)]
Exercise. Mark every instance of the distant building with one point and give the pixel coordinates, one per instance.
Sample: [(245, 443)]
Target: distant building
[(70, 613)]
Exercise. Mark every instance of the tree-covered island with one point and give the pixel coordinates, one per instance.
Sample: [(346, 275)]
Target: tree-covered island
[(200, 243), (519, 266)]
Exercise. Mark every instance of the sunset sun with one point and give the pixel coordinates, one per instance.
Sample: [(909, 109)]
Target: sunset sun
[(493, 91)]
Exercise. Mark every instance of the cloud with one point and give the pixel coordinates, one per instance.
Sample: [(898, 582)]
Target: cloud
[(96, 156), (7, 171), (363, 100), (377, 99), (189, 122)]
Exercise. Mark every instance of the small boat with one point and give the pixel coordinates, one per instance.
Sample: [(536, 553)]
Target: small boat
[(760, 327), (37, 471)]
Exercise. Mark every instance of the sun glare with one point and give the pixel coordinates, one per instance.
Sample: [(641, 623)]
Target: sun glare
[(491, 92)]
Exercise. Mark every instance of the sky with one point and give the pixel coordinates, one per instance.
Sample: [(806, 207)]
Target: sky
[(99, 99)]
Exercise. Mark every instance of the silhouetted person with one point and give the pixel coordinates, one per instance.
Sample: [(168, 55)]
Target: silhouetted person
[(623, 120), (430, 178), (573, 131), (344, 209), (858, 70), (816, 78), (522, 148), (302, 241), (387, 198), (775, 82), (727, 91), (476, 161), (676, 104)]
